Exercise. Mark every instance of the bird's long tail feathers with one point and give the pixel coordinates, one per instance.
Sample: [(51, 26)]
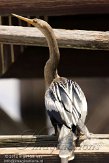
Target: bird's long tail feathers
[(64, 160), (66, 144)]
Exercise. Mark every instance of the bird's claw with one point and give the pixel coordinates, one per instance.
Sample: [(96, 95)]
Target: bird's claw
[(89, 135)]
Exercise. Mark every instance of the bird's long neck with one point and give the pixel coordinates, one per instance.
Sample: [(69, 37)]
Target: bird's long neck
[(50, 69)]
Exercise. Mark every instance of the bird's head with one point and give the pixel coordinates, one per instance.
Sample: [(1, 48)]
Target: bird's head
[(35, 22)]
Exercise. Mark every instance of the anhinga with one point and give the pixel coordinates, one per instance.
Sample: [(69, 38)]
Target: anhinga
[(65, 102)]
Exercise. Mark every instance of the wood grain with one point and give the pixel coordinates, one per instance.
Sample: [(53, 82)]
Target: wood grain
[(41, 150), (78, 39), (46, 140), (53, 7)]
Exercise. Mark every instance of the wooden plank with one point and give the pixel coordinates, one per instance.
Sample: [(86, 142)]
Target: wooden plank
[(53, 7), (97, 149), (42, 137), (46, 140), (49, 151), (78, 39), (43, 140), (27, 140)]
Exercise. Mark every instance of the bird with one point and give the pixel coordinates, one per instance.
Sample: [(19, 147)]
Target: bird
[(64, 99)]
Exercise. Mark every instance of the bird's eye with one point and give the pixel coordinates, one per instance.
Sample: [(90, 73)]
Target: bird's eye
[(35, 20)]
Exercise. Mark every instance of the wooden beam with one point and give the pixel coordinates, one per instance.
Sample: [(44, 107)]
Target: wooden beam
[(42, 140), (97, 149), (78, 39), (27, 140), (53, 7)]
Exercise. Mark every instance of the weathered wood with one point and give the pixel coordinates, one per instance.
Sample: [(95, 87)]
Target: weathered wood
[(45, 140), (79, 39), (41, 138), (97, 149), (27, 140), (53, 7)]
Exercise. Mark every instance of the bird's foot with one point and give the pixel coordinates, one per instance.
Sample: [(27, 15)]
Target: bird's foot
[(89, 135)]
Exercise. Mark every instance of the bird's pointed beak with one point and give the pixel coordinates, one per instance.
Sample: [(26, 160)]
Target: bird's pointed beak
[(30, 21)]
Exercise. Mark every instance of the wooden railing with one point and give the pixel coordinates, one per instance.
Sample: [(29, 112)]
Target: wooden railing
[(44, 149), (78, 39), (53, 7)]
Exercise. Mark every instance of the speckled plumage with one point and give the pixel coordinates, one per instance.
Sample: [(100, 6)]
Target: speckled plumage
[(65, 102), (67, 108)]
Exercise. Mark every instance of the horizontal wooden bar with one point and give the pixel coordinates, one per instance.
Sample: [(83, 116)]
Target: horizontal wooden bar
[(43, 140), (48, 151), (95, 149), (53, 7), (27, 140), (78, 39)]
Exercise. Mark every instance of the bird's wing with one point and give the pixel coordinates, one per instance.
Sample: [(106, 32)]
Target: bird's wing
[(82, 104), (56, 108), (80, 101), (80, 97), (66, 101), (50, 101), (53, 107)]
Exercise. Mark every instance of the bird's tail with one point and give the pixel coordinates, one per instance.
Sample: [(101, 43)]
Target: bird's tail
[(64, 160), (66, 144)]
